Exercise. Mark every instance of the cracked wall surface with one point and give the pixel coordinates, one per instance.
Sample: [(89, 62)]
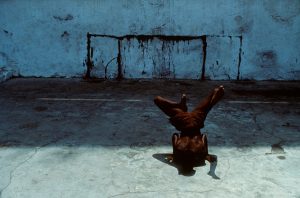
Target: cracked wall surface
[(48, 38)]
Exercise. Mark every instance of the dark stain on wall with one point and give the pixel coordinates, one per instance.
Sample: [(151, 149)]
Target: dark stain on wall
[(4, 56), (267, 58), (238, 19), (8, 33), (65, 34), (157, 3), (283, 12), (281, 19), (244, 26), (67, 17), (158, 29), (133, 29)]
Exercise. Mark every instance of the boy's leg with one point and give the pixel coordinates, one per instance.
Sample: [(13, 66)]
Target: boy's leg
[(207, 103), (169, 107)]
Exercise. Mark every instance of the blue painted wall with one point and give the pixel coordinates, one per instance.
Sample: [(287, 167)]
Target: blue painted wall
[(245, 39)]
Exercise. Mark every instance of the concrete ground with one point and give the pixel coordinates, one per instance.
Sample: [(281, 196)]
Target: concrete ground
[(70, 138)]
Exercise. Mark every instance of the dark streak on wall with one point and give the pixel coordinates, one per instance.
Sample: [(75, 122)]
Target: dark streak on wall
[(119, 60), (149, 37), (88, 61), (106, 66), (204, 44), (240, 57)]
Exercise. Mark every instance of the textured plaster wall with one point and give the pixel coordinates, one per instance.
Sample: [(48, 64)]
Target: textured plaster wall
[(245, 39)]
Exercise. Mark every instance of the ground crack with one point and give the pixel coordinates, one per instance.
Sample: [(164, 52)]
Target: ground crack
[(18, 166), (29, 158)]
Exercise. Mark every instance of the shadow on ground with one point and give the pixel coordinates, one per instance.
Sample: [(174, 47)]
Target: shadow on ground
[(166, 158)]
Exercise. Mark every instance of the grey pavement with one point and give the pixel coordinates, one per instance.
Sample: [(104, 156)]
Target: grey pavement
[(73, 138)]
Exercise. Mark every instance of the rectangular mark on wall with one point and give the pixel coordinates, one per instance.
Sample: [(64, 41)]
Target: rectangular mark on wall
[(160, 56)]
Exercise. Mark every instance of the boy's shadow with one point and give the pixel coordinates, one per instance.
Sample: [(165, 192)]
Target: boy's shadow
[(167, 158)]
